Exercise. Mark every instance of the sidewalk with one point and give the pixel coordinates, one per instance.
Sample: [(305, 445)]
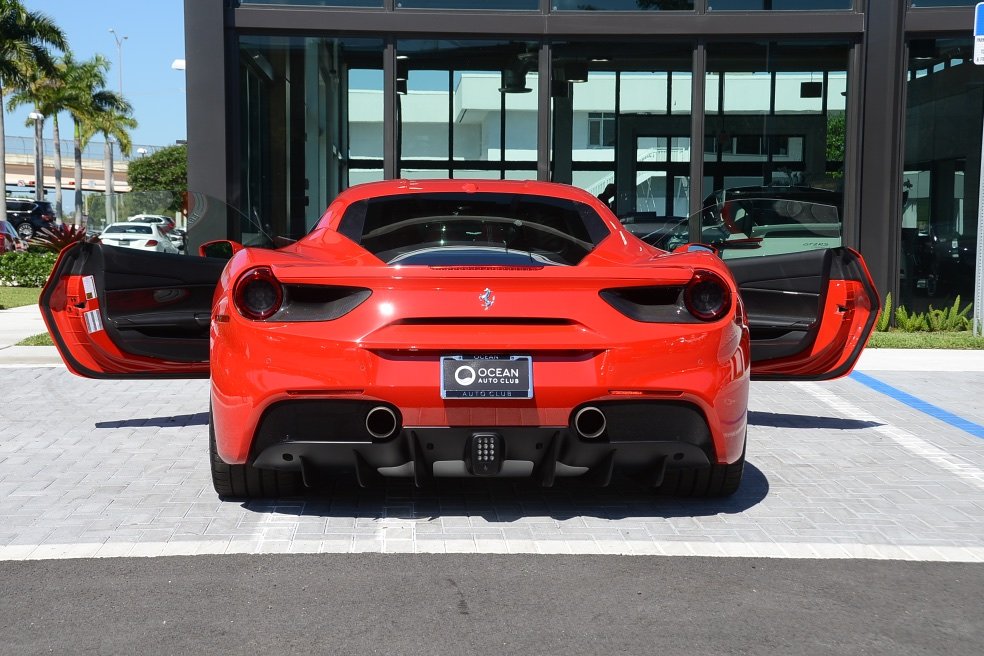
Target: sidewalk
[(19, 323)]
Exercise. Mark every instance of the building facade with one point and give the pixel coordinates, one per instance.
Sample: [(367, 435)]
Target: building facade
[(668, 103)]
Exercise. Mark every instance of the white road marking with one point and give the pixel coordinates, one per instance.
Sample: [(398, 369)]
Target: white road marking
[(908, 441)]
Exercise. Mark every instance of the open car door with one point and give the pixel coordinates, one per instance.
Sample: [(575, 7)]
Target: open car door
[(809, 313), (124, 313)]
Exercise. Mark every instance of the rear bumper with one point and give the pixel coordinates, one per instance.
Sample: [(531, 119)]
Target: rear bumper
[(641, 439)]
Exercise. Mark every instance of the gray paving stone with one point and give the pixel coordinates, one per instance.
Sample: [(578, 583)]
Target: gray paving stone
[(132, 479)]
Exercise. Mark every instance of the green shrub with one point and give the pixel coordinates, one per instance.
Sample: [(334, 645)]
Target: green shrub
[(885, 317), (910, 322), (26, 269)]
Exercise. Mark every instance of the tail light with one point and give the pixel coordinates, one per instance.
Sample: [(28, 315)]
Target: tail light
[(258, 294), (152, 242), (707, 296)]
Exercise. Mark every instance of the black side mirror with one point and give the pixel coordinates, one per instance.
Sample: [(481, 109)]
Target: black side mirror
[(220, 249)]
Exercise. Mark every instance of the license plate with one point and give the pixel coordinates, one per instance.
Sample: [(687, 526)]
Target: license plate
[(487, 377)]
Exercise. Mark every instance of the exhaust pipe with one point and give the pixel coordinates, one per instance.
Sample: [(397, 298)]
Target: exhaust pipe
[(381, 422), (590, 422)]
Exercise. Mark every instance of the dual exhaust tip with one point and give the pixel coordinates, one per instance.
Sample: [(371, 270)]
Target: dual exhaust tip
[(381, 422), (590, 422)]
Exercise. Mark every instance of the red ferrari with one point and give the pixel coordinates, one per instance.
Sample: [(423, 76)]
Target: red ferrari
[(465, 328)]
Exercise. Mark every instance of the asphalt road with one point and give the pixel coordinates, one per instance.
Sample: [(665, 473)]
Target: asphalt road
[(489, 604)]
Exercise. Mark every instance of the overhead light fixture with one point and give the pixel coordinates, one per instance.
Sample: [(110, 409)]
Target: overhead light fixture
[(401, 87), (576, 72), (402, 69), (811, 89), (514, 80)]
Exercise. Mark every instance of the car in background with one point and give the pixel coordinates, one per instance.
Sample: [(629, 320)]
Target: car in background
[(10, 241), (167, 225), (140, 236), (29, 217), (165, 222)]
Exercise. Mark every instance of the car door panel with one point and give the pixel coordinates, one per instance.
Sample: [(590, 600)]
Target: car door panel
[(809, 313), (122, 313)]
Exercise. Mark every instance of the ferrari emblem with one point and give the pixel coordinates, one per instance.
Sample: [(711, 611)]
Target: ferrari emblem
[(487, 298)]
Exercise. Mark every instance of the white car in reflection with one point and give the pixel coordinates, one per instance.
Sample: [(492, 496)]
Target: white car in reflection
[(141, 236)]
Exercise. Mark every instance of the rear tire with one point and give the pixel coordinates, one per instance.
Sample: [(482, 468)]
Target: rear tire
[(26, 230), (246, 481), (713, 481)]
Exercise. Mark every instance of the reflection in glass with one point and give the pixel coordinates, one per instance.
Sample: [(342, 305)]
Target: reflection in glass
[(621, 124), (467, 105), (468, 4), (622, 5), (311, 122), (942, 165), (775, 117), (316, 3), (778, 5)]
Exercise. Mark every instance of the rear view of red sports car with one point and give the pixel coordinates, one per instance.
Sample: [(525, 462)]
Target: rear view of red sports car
[(465, 328)]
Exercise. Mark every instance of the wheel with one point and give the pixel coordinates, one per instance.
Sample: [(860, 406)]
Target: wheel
[(713, 481), (25, 230), (247, 482)]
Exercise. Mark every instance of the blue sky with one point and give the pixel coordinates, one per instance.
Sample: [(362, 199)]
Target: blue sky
[(156, 38)]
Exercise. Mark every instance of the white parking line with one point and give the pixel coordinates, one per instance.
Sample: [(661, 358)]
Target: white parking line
[(902, 437)]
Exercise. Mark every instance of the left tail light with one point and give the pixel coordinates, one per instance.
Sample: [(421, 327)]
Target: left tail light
[(258, 294)]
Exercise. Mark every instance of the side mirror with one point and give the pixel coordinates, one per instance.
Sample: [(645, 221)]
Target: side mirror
[(694, 248), (220, 249)]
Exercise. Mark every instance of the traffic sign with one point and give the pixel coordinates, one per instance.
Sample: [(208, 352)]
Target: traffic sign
[(979, 33)]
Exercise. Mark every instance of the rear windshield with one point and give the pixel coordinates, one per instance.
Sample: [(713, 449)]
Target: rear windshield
[(130, 229), (449, 229)]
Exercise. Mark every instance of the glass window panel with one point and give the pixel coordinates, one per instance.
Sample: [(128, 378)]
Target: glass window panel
[(621, 5), (594, 118), (476, 173), (521, 128), (942, 153), (779, 5), (747, 92), (944, 3), (311, 115), (774, 149), (468, 4), (644, 92), (424, 116), (681, 93), (316, 3)]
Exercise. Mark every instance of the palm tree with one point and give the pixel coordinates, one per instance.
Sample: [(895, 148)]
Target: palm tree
[(111, 124), (86, 99), (25, 37), (46, 91)]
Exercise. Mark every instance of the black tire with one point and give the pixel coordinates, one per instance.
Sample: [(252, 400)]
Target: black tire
[(26, 230), (713, 481), (248, 482)]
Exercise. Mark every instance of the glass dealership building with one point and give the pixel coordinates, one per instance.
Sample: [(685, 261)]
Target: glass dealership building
[(875, 104)]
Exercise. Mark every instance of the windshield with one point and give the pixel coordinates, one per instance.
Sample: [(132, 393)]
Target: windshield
[(474, 229)]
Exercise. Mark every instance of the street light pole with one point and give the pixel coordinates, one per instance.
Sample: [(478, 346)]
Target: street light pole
[(38, 119), (119, 50)]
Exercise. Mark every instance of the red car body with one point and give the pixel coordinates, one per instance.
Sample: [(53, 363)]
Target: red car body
[(639, 360)]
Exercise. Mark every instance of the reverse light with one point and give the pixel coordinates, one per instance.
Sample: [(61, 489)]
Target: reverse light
[(707, 297), (258, 294)]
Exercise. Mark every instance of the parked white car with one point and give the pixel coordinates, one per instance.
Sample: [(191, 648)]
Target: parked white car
[(142, 236)]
